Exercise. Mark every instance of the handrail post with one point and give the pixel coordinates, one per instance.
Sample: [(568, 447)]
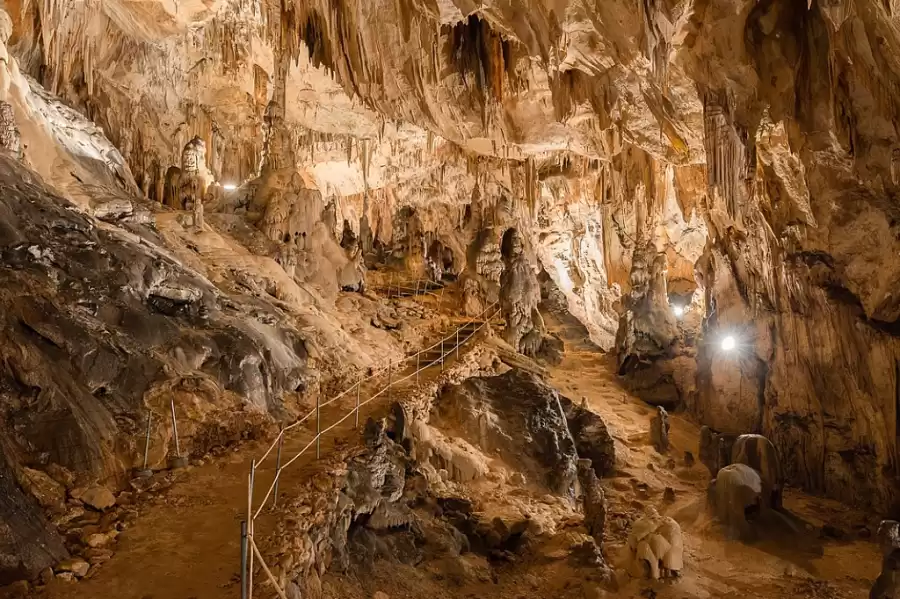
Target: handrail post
[(175, 429), (457, 344), (243, 559), (277, 467), (390, 285), (318, 426), (250, 482), (390, 363), (442, 355), (418, 355), (358, 383), (147, 440), (441, 300)]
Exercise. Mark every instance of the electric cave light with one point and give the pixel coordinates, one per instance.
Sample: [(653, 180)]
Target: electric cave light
[(229, 186), (728, 343), (678, 310)]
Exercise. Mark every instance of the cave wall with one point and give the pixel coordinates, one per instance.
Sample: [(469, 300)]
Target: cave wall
[(801, 263)]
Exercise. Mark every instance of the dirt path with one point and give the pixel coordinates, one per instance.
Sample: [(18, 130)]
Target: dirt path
[(797, 565), (185, 543)]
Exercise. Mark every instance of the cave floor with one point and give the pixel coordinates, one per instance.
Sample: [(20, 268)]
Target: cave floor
[(185, 542)]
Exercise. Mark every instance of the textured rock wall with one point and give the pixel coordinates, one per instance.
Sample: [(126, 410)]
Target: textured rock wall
[(802, 260)]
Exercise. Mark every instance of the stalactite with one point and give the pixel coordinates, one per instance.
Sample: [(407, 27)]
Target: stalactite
[(729, 163), (531, 185)]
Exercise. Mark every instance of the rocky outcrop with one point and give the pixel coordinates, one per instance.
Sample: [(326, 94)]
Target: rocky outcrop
[(736, 495), (104, 322), (592, 439), (593, 501), (516, 417), (28, 542)]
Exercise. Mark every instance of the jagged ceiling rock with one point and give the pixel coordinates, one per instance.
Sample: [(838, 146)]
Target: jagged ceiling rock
[(506, 79)]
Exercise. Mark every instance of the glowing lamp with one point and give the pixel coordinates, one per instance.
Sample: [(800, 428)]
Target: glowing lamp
[(678, 310), (728, 343), (229, 186)]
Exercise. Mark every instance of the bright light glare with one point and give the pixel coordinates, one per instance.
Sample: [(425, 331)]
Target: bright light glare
[(229, 186), (679, 310), (728, 343)]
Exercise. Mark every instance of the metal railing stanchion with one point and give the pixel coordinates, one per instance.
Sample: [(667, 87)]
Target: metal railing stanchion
[(358, 384), (175, 429), (442, 355), (390, 363), (318, 427), (144, 472), (243, 559), (278, 467), (418, 355), (250, 482), (457, 344)]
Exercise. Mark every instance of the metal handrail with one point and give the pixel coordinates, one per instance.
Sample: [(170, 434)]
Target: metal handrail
[(247, 528)]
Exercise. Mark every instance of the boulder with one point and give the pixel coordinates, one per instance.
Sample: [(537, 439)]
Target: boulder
[(759, 453), (97, 497), (28, 541), (515, 416), (592, 438), (75, 565), (737, 497), (60, 474), (49, 493)]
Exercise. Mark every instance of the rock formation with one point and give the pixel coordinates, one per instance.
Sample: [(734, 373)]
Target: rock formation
[(659, 430), (888, 582), (758, 452), (655, 547), (715, 449), (515, 416), (519, 295), (593, 501), (736, 495)]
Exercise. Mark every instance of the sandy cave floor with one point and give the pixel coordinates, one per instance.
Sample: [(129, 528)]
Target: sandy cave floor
[(184, 543)]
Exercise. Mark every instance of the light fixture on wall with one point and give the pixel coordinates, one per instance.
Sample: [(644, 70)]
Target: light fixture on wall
[(229, 186), (728, 343), (678, 310)]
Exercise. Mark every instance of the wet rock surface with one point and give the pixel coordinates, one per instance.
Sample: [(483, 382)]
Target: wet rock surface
[(517, 416)]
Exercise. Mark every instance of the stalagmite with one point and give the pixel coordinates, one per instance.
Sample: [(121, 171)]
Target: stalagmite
[(10, 139), (593, 501), (194, 177)]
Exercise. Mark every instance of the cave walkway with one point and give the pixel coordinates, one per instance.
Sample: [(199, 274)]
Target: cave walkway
[(185, 543)]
